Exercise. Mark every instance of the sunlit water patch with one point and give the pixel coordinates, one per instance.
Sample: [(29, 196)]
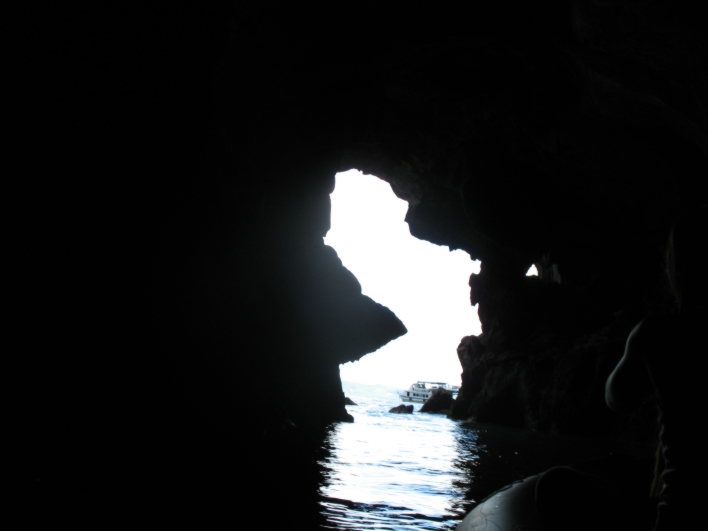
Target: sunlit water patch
[(395, 471)]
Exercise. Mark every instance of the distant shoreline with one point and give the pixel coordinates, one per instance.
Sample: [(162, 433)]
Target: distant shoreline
[(354, 389)]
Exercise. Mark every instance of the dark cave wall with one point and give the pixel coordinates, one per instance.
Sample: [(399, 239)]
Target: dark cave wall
[(179, 308), (574, 151), (550, 375), (173, 169)]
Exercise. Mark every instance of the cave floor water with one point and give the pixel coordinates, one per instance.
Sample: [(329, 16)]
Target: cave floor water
[(425, 471)]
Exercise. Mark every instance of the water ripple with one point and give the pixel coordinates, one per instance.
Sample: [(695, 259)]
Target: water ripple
[(393, 471)]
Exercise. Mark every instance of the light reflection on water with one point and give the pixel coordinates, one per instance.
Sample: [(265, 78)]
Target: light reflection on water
[(395, 471)]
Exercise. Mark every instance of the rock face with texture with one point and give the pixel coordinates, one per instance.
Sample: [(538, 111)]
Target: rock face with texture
[(551, 374), (440, 400), (402, 409)]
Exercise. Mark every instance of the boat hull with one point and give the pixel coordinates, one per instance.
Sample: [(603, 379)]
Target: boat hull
[(510, 508), (412, 399)]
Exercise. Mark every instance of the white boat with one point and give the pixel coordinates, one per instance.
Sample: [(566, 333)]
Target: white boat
[(421, 391)]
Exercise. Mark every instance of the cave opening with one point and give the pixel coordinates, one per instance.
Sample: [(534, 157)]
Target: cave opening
[(424, 284)]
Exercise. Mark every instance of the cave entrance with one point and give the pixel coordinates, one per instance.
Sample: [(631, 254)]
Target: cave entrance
[(425, 285)]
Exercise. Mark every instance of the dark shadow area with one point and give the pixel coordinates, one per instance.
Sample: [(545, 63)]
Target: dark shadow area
[(496, 455)]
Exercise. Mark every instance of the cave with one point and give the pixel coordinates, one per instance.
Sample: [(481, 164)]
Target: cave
[(172, 169)]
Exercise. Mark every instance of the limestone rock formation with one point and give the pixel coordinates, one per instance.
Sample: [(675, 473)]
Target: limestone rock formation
[(349, 402), (402, 408), (440, 401)]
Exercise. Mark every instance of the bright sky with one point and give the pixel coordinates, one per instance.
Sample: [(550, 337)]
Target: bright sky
[(425, 285)]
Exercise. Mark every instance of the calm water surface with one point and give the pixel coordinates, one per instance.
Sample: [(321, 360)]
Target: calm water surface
[(425, 471)]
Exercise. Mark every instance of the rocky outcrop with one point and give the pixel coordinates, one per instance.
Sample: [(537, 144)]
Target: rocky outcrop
[(349, 402), (330, 323), (402, 408), (440, 401), (544, 357)]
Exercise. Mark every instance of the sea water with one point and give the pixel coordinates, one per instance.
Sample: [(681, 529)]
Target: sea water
[(394, 471), (426, 471)]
